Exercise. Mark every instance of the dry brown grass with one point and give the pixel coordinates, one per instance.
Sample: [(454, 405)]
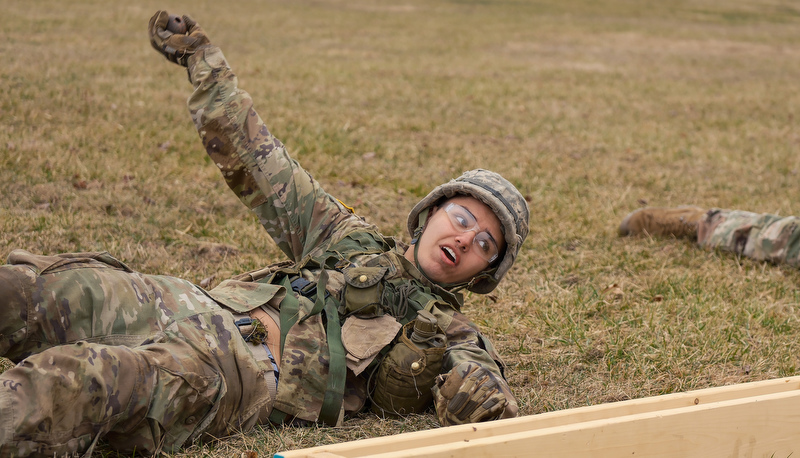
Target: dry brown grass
[(592, 108)]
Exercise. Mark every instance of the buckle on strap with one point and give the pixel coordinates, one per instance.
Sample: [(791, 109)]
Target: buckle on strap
[(305, 288)]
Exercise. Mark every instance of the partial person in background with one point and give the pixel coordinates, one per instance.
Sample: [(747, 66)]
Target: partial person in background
[(759, 236)]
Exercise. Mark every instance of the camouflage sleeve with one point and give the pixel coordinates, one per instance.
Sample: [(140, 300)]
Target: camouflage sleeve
[(762, 237), (466, 344), (296, 212)]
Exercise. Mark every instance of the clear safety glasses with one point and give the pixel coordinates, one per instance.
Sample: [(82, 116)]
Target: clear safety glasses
[(464, 221)]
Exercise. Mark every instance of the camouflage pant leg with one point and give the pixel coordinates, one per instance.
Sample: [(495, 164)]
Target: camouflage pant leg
[(53, 300), (761, 237), (58, 401), (172, 352)]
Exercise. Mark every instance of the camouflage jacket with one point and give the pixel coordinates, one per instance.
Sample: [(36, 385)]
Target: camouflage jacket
[(326, 243)]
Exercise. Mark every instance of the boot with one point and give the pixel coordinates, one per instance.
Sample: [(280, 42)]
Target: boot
[(678, 222)]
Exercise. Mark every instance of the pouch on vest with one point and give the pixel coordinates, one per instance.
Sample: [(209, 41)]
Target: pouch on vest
[(364, 338), (405, 377), (362, 295)]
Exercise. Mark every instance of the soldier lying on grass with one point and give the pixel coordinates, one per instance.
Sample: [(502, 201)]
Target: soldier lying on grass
[(760, 236), (354, 320)]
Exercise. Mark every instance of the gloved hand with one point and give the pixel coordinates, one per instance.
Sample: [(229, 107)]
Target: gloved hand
[(470, 394), (177, 48)]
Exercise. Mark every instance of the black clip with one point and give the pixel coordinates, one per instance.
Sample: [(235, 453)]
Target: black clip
[(304, 287)]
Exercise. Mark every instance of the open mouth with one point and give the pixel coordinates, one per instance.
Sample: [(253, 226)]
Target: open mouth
[(451, 255)]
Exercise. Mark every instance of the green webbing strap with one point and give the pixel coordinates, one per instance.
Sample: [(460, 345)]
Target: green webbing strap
[(319, 301), (334, 396), (290, 310), (290, 307), (337, 371)]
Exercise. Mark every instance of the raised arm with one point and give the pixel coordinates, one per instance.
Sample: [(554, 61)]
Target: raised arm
[(289, 203), (296, 212)]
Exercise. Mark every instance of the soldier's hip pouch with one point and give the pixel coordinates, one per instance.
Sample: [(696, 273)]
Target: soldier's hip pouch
[(406, 375)]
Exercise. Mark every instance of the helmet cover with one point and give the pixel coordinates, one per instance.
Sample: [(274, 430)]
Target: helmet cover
[(502, 198)]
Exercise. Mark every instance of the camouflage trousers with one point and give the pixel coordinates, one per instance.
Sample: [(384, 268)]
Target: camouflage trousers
[(147, 363), (762, 237)]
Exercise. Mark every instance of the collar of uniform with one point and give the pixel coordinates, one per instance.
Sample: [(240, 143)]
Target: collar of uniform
[(455, 299)]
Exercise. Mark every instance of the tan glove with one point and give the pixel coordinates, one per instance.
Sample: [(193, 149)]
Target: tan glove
[(176, 47), (470, 394)]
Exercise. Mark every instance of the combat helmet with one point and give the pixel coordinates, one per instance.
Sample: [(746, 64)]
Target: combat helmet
[(505, 201)]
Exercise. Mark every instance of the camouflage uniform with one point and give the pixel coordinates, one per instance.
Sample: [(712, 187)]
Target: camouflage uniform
[(153, 362), (762, 237), (147, 361)]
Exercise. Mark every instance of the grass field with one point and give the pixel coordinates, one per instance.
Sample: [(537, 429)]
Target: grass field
[(592, 108)]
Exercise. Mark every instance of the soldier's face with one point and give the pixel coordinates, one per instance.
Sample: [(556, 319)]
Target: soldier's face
[(449, 254)]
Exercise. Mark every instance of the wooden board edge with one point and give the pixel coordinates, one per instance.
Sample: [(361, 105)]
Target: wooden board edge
[(365, 447)]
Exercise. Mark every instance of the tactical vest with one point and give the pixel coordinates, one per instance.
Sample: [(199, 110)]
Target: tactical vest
[(358, 279)]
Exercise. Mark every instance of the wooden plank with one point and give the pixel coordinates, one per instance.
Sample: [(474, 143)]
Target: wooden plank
[(694, 401), (764, 426)]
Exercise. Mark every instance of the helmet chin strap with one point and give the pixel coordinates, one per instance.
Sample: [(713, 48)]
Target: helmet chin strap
[(423, 220)]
